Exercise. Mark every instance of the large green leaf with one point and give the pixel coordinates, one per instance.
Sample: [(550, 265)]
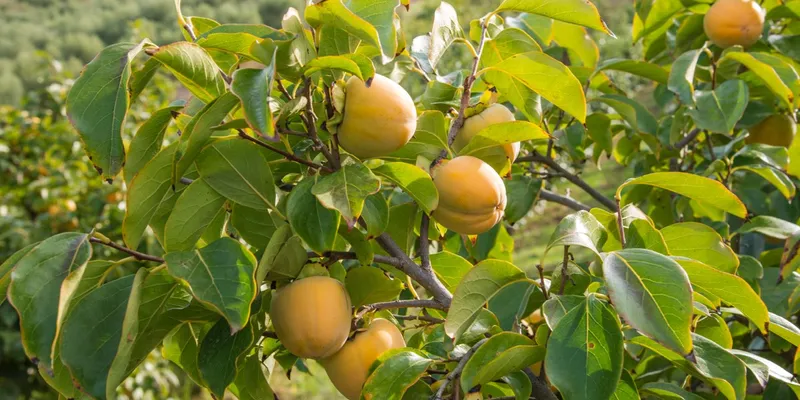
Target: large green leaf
[(414, 181), (370, 21), (148, 191), (576, 39), (502, 354), (283, 258), (763, 368), (255, 226), (668, 391), (346, 190), (763, 71), (477, 287), (585, 352), (579, 12), (148, 141), (556, 307), (398, 370), (199, 130), (776, 177), (375, 215), (367, 285), (446, 29), (626, 388), (35, 288), (8, 265), (579, 229), (652, 293), (251, 382), (702, 243), (220, 355), (181, 347), (92, 333), (547, 77), (494, 136), (522, 192), (769, 226), (635, 114), (644, 69), (195, 209), (194, 68), (720, 109), (714, 365), (450, 268), (681, 76), (314, 223), (220, 275), (253, 88), (237, 169), (695, 187), (98, 103)]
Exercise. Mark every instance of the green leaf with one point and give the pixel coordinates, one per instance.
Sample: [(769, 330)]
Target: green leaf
[(556, 307), (355, 64), (636, 115), (253, 88), (8, 266), (522, 192), (776, 177), (651, 71), (255, 226), (358, 244), (714, 328), (698, 188), (788, 45), (398, 370), (668, 391), (195, 209), (94, 327), (585, 352), (547, 77), (414, 181), (579, 229), (702, 243), (652, 293), (346, 190), (626, 388), (220, 355), (237, 169), (643, 235), (147, 142), (446, 30), (681, 76), (720, 109), (477, 287), (283, 257), (758, 365), (579, 12), (198, 132), (148, 190), (314, 223), (769, 226), (577, 40), (715, 365), (502, 354), (367, 285), (35, 287), (508, 43), (194, 68), (764, 72), (98, 103), (450, 268), (219, 275), (181, 347), (141, 78), (370, 21), (251, 382), (376, 215), (497, 135), (598, 126)]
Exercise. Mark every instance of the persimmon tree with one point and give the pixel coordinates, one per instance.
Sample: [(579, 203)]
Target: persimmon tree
[(313, 207)]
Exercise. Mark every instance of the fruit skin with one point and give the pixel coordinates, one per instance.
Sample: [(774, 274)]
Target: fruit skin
[(535, 317), (494, 114), (349, 368), (734, 22), (775, 130), (472, 196), (312, 316), (377, 120)]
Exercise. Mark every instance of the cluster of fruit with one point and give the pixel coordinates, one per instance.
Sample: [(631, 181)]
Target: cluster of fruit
[(380, 118), (312, 318)]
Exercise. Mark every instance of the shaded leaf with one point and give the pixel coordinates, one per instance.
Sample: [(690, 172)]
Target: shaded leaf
[(314, 223), (193, 67), (414, 181), (397, 371), (346, 190), (702, 243), (367, 285), (194, 211)]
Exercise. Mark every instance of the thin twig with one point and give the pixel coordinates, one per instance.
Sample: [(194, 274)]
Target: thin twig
[(686, 139), (541, 281), (349, 255), (282, 89), (310, 121), (540, 390), (547, 195), (286, 154), (423, 318), (139, 256), (564, 273), (388, 305), (453, 375), (710, 146), (424, 244), (424, 277), (536, 157)]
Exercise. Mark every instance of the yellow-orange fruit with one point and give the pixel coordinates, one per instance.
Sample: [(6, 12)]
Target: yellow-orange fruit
[(349, 368), (378, 119), (775, 130), (734, 22), (535, 317), (472, 197), (494, 114), (312, 316)]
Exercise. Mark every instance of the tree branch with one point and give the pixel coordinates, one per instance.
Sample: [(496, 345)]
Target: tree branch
[(310, 121), (547, 195), (423, 318), (453, 375), (686, 139), (286, 154), (540, 388), (424, 244), (535, 157), (401, 304), (349, 255), (424, 277), (139, 256)]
